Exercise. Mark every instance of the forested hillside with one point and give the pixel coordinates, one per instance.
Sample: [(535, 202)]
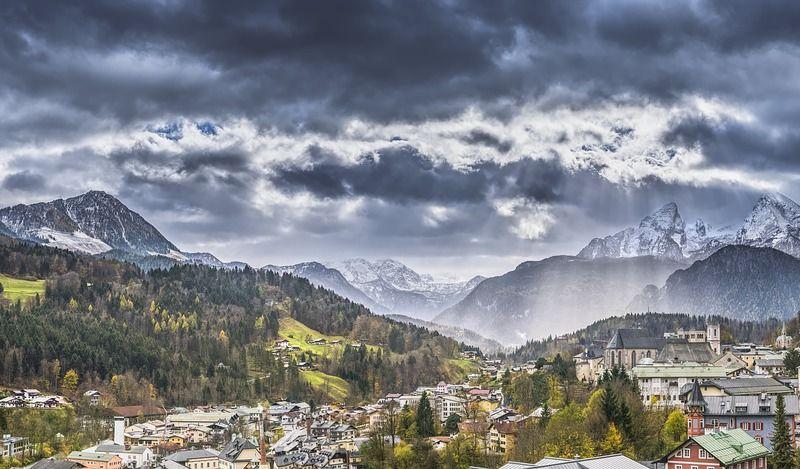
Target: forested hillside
[(195, 334)]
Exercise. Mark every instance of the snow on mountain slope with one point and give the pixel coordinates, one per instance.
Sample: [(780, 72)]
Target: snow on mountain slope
[(329, 278), (400, 289), (662, 234), (80, 222), (97, 223), (774, 222), (75, 241)]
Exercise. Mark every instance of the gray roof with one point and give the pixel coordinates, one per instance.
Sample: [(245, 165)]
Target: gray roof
[(614, 461), (770, 362), (752, 405), (120, 449), (54, 464), (183, 456), (634, 339), (681, 350), (232, 450), (745, 386)]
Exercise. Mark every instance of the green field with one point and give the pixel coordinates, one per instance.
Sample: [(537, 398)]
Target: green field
[(333, 386), (296, 333), (458, 368), (17, 289)]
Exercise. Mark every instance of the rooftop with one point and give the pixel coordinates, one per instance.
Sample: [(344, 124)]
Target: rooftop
[(731, 446)]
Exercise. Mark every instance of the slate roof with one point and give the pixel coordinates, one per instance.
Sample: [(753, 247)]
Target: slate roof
[(120, 449), (744, 386), (613, 461), (183, 456), (233, 450), (681, 350), (731, 446), (54, 464), (679, 371), (634, 339), (752, 405), (87, 456)]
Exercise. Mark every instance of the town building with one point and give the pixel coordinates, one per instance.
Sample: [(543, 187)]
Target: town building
[(746, 386), (660, 385), (239, 453), (589, 364), (628, 346), (131, 456), (754, 414), (723, 449), (679, 351), (447, 405), (95, 460), (196, 459), (770, 366), (14, 446)]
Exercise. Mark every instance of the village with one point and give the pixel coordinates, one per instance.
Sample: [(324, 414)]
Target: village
[(729, 394)]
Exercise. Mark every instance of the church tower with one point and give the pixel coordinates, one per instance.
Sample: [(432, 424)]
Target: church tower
[(713, 338), (695, 407)]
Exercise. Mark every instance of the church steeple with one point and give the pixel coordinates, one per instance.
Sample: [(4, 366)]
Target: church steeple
[(695, 407)]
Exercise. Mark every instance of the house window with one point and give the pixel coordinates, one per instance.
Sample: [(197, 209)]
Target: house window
[(702, 454), (687, 453)]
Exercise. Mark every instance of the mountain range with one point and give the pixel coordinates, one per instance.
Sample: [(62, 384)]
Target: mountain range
[(745, 272), (749, 271), (98, 223), (385, 285)]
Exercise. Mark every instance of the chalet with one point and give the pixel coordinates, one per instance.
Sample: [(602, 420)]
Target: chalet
[(93, 397), (238, 454), (439, 442), (723, 449)]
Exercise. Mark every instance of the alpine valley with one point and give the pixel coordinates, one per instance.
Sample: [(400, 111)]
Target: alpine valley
[(750, 271)]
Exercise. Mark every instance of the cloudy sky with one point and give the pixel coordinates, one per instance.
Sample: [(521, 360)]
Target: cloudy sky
[(459, 137)]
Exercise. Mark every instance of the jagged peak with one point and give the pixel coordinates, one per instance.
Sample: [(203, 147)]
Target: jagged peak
[(665, 218), (777, 199)]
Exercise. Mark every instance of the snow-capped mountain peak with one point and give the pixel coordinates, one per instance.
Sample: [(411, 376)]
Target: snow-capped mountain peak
[(96, 223), (660, 234), (774, 222)]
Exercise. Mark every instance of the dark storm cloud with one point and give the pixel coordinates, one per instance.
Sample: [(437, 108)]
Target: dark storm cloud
[(731, 143), (482, 137), (404, 175), (306, 65), (25, 181)]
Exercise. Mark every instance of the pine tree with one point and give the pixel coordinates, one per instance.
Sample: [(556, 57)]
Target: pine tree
[(609, 404), (782, 452), (425, 417)]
